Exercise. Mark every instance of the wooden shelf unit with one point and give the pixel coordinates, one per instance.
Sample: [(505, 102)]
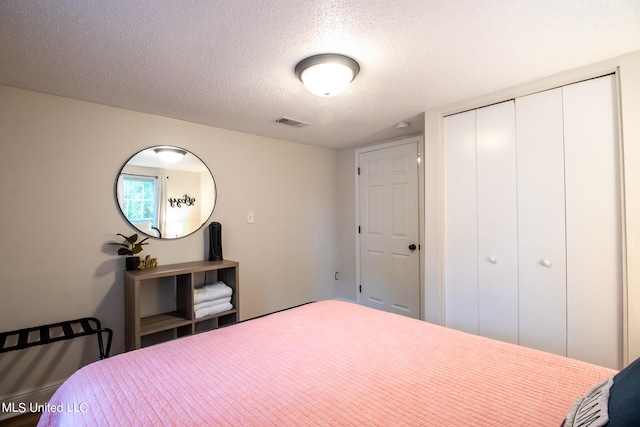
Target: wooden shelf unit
[(182, 320)]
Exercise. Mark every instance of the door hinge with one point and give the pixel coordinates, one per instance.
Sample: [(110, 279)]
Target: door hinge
[(358, 170), (360, 288), (358, 229)]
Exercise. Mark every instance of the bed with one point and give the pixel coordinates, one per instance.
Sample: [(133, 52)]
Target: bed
[(326, 363)]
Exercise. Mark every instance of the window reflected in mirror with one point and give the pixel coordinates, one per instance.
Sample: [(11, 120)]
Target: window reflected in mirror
[(165, 197)]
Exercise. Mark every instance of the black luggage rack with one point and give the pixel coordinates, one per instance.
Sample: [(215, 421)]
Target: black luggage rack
[(70, 329)]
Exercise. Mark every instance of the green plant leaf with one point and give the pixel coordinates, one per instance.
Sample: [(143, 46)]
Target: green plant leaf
[(129, 246), (118, 244)]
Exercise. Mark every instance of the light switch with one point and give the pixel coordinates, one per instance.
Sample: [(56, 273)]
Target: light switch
[(250, 217)]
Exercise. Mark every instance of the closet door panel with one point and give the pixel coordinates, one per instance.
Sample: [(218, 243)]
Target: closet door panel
[(497, 222), (461, 225), (541, 222), (594, 259)]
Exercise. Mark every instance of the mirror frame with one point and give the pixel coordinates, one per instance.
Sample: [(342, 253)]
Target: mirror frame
[(190, 232)]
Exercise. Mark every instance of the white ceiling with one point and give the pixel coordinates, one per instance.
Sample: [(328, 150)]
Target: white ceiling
[(230, 63)]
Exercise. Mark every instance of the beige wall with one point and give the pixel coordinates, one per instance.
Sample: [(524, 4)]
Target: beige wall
[(59, 162), (628, 68)]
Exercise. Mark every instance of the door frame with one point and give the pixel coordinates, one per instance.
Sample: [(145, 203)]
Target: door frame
[(419, 140)]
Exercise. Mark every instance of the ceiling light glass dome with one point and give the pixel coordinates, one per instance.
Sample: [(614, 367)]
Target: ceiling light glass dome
[(327, 74)]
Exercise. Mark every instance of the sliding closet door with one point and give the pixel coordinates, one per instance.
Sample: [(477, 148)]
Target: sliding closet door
[(497, 222), (461, 223), (594, 259), (541, 222)]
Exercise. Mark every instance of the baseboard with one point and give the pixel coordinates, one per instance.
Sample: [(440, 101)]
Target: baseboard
[(18, 404)]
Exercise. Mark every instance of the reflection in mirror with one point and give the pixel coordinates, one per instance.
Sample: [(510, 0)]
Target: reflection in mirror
[(166, 192)]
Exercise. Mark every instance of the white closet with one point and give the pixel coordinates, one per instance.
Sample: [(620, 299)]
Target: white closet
[(532, 222)]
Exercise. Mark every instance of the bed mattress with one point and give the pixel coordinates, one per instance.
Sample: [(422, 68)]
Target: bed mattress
[(326, 363)]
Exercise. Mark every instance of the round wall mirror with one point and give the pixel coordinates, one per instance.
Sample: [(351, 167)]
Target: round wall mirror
[(166, 192)]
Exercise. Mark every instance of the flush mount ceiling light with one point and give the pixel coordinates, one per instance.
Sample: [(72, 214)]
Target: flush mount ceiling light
[(170, 154), (327, 74)]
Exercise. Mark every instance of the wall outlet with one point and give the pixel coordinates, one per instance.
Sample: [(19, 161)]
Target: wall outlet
[(250, 217)]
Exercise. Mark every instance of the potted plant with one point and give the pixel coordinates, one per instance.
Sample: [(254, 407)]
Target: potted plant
[(130, 247)]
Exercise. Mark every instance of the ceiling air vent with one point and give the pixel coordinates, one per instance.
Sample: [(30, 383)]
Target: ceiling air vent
[(292, 122)]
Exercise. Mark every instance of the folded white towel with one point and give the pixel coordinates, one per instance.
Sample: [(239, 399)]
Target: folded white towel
[(211, 292), (215, 309), (208, 304)]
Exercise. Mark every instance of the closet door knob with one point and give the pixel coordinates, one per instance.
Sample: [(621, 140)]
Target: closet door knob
[(492, 260), (546, 263)]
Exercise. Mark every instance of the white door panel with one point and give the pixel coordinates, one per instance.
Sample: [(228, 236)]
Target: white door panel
[(400, 282), (594, 263), (399, 215), (541, 222), (373, 275), (373, 201), (461, 223), (497, 222), (390, 271)]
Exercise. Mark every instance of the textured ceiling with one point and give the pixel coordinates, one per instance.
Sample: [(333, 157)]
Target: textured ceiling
[(229, 63)]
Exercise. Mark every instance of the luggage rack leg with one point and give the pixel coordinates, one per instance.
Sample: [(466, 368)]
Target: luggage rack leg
[(104, 352)]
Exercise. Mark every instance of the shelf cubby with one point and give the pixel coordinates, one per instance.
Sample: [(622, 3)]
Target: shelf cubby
[(182, 320)]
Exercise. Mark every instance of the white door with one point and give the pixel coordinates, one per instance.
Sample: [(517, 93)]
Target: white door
[(594, 247), (541, 222), (481, 242), (389, 230), (461, 223), (497, 222)]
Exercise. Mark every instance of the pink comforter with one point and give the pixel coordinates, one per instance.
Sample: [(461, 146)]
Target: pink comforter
[(326, 363)]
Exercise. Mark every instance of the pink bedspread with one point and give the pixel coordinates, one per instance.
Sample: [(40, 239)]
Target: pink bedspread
[(326, 363)]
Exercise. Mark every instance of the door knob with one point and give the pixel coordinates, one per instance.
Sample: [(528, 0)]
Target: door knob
[(412, 247), (546, 263), (493, 260)]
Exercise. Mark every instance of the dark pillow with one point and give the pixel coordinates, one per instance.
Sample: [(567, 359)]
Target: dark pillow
[(612, 403), (624, 401)]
